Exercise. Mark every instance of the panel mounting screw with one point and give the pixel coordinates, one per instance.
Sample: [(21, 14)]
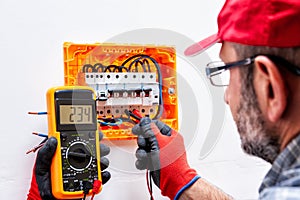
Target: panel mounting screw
[(171, 90)]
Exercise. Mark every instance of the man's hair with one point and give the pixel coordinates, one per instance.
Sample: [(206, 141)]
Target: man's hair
[(292, 55)]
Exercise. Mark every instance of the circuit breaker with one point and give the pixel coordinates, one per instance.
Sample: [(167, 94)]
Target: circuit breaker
[(125, 78)]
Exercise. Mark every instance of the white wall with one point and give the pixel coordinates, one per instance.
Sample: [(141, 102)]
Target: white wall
[(31, 36)]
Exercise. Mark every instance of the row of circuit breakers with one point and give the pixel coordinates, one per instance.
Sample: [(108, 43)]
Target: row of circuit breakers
[(116, 91)]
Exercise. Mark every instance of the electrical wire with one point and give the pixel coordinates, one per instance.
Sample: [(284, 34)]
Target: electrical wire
[(108, 68), (128, 120), (86, 68), (98, 66), (117, 122), (121, 69), (86, 188), (149, 184), (151, 189), (136, 64), (40, 134), (145, 61), (37, 113), (35, 148), (137, 58)]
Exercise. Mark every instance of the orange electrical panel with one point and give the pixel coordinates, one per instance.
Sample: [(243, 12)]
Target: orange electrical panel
[(126, 78)]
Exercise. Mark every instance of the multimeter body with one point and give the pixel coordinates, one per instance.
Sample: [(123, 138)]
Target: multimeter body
[(72, 121)]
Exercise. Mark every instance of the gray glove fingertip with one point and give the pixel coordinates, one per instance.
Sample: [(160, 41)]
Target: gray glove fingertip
[(105, 176), (141, 154), (141, 164), (141, 141), (136, 130), (104, 150), (144, 121), (164, 129), (100, 135), (139, 129), (147, 131), (104, 163)]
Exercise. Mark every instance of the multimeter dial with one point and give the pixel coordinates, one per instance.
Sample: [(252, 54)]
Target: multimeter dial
[(79, 161), (79, 156)]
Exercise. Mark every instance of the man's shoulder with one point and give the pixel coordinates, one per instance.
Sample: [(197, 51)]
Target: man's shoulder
[(283, 179), (279, 192), (290, 177)]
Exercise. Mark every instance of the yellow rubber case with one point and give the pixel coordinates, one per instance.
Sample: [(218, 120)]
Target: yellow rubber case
[(57, 165)]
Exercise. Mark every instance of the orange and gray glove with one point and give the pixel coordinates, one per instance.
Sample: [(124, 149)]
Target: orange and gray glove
[(41, 178), (161, 150)]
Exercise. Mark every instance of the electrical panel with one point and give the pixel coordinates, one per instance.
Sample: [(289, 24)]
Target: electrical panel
[(125, 78)]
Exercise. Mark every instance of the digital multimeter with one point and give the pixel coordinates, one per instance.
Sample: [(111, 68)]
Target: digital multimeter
[(72, 121)]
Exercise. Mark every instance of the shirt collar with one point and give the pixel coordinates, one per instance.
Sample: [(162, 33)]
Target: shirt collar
[(285, 160)]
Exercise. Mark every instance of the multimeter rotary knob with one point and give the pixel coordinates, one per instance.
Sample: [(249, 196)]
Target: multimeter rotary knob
[(79, 156)]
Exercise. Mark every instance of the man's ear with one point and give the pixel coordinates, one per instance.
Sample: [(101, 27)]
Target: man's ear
[(270, 88)]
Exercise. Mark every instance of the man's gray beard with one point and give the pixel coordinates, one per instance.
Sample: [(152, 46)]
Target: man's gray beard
[(256, 138)]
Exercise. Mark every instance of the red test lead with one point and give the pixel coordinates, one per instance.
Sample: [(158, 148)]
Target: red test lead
[(136, 119), (137, 113), (96, 187)]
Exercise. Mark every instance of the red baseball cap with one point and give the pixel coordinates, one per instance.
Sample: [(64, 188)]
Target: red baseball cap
[(273, 23)]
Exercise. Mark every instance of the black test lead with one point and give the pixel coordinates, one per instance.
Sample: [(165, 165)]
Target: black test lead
[(137, 116)]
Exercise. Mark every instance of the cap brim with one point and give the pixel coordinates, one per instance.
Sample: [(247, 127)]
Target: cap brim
[(201, 46)]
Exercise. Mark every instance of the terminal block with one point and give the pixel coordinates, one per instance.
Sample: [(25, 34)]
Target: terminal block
[(125, 78)]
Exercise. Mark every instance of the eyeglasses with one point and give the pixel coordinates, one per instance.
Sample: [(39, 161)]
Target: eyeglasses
[(219, 75)]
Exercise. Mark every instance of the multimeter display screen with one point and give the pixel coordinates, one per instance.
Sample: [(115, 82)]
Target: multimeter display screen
[(76, 114)]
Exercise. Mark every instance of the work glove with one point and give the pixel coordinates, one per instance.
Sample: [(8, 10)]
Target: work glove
[(41, 178), (161, 150)]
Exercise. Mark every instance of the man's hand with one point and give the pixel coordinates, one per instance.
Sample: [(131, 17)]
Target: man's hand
[(41, 178), (162, 151)]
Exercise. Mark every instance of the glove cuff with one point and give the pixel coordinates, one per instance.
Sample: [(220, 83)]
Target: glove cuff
[(178, 182), (186, 186), (34, 193)]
